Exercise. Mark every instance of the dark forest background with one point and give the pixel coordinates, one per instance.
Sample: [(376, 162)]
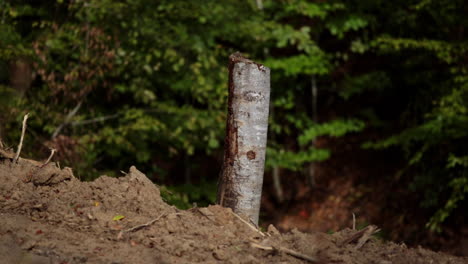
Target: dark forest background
[(369, 100)]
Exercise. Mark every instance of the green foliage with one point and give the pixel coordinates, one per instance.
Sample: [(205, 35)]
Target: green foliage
[(459, 192), (376, 81), (153, 81), (336, 128), (428, 142), (434, 138), (294, 160), (183, 196), (313, 10)]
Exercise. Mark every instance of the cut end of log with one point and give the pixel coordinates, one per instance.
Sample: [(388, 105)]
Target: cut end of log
[(238, 57)]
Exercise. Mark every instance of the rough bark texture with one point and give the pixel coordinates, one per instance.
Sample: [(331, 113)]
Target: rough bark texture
[(241, 179)]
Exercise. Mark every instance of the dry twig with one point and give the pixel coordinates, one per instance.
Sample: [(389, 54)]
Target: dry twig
[(354, 221), (206, 213), (23, 131), (138, 227), (249, 224), (52, 151), (287, 251)]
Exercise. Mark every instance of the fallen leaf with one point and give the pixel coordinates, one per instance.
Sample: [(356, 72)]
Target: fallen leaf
[(118, 217)]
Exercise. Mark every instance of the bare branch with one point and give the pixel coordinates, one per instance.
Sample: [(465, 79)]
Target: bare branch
[(94, 120), (67, 119)]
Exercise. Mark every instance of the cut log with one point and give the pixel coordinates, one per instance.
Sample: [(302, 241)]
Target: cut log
[(241, 179)]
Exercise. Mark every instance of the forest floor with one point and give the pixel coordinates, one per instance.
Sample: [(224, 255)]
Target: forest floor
[(49, 216)]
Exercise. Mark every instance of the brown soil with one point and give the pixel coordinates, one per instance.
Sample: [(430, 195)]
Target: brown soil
[(49, 216)]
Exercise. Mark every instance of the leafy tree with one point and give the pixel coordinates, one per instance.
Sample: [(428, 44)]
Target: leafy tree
[(427, 51), (148, 78)]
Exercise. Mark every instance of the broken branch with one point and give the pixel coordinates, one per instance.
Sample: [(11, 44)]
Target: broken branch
[(23, 131)]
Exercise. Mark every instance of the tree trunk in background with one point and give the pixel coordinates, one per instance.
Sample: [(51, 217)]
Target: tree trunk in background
[(241, 179), (260, 4), (187, 169), (21, 75), (276, 174), (311, 168)]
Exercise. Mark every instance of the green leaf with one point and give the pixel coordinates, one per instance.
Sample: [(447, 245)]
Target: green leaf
[(118, 217)]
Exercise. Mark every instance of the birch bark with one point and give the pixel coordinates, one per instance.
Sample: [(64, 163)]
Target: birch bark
[(241, 179)]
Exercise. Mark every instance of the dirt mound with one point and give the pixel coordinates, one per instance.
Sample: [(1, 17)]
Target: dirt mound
[(48, 216)]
